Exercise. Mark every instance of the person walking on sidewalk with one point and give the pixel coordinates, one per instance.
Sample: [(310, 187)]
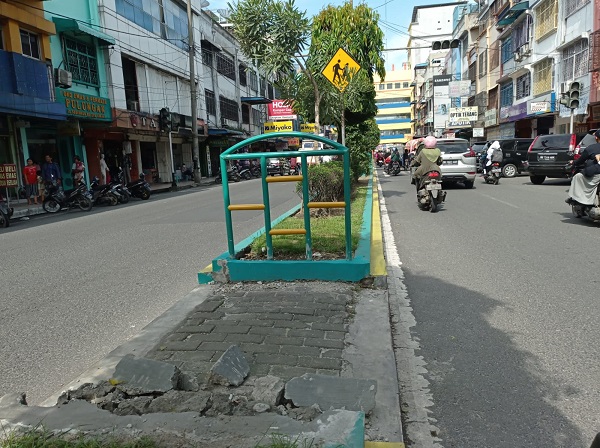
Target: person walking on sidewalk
[(77, 171), (51, 172), (31, 182)]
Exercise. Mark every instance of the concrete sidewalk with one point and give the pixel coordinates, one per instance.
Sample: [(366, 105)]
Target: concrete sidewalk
[(286, 330)]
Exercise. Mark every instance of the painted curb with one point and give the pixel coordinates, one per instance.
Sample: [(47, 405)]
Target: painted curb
[(378, 263), (271, 270)]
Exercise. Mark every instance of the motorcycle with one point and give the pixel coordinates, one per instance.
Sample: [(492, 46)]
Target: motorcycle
[(120, 189), (581, 210), (103, 194), (396, 168), (379, 162), (493, 175), (255, 170), (139, 188), (232, 174), (245, 173), (430, 193), (56, 199), (5, 213)]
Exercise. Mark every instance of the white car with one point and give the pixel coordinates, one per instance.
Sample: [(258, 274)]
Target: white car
[(459, 161)]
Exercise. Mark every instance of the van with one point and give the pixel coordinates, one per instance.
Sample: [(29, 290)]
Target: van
[(310, 145)]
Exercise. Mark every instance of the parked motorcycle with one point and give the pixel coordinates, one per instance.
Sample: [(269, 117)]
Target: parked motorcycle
[(103, 194), (255, 170), (581, 210), (120, 190), (140, 188), (232, 174), (493, 174), (431, 194), (56, 199), (245, 173), (5, 213)]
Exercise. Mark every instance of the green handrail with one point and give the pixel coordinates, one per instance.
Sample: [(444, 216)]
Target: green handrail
[(230, 154)]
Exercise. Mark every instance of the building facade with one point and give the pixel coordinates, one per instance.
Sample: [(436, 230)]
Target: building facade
[(393, 97)]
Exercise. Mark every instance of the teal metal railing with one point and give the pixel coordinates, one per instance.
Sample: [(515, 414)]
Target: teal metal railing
[(337, 150)]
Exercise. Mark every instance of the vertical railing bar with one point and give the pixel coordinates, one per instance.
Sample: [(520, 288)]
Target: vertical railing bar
[(305, 200), (347, 197), (266, 201), (226, 203)]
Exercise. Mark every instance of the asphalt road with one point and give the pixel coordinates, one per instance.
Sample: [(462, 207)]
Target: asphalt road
[(78, 284), (502, 281)]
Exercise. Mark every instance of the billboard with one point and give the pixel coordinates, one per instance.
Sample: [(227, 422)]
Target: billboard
[(459, 89), (441, 100), (462, 116), (279, 110), (278, 126)]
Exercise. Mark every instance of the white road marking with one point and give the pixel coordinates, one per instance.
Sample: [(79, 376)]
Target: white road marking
[(498, 200)]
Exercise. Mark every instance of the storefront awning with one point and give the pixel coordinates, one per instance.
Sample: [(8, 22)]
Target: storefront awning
[(76, 27), (512, 14), (422, 65), (221, 132), (255, 100)]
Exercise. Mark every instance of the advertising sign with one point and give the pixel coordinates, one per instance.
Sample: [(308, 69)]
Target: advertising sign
[(84, 106), (477, 132), (8, 175), (459, 88), (278, 126), (278, 110), (309, 128), (441, 100), (462, 116), (491, 118)]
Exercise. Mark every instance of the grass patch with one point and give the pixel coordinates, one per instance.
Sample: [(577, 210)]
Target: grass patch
[(42, 439), (327, 233)]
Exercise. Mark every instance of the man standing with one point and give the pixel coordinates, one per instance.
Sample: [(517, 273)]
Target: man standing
[(31, 185), (51, 172)]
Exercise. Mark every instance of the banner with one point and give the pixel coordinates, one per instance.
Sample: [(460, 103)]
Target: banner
[(8, 175), (278, 110), (278, 126), (309, 128), (459, 89)]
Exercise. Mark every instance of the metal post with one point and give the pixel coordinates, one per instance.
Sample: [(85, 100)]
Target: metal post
[(267, 203), (305, 201), (192, 54), (173, 181), (343, 121), (572, 121), (227, 203), (347, 211)]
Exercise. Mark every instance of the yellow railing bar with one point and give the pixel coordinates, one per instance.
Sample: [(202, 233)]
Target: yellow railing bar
[(326, 205), (287, 232), (284, 179), (246, 207)]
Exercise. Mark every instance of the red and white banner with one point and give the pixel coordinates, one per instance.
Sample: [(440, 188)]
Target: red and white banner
[(278, 110)]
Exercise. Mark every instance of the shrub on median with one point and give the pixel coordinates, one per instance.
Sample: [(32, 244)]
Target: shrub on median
[(325, 182)]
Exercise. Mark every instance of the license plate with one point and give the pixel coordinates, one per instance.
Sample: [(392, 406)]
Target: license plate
[(547, 158), (495, 170), (433, 187), (450, 162)]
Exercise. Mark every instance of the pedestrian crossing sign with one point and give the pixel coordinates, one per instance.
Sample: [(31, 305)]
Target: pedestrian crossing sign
[(340, 69)]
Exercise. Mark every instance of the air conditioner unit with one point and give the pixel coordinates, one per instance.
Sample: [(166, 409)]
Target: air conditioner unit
[(518, 56), (63, 78), (564, 87), (133, 105), (525, 49)]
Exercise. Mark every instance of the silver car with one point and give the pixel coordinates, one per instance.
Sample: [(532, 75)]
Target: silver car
[(459, 161)]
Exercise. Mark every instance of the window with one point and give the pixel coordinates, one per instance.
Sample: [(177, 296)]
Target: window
[(211, 104), (225, 66), (397, 85), (506, 94), (523, 86), (81, 62), (542, 77), (472, 71), (494, 55), (256, 120), (270, 93), (246, 113), (575, 60), (547, 18), (207, 57), (229, 109), (405, 85), (573, 5), (522, 33), (493, 98), (381, 86), (175, 26), (506, 50), (242, 74), (253, 80), (483, 56), (263, 85), (29, 44), (389, 86), (399, 99)]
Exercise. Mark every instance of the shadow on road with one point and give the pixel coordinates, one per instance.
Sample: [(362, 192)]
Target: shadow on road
[(569, 218), (487, 392)]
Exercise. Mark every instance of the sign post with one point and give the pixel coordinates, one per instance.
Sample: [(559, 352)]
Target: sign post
[(339, 72)]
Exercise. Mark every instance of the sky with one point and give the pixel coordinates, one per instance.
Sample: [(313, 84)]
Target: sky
[(395, 16)]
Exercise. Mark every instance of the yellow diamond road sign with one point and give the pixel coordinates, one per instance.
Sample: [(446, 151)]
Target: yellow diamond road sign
[(340, 69)]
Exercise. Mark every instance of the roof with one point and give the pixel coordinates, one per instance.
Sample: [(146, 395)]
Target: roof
[(437, 5)]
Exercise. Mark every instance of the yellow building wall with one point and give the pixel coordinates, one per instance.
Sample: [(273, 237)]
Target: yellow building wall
[(402, 94), (30, 17)]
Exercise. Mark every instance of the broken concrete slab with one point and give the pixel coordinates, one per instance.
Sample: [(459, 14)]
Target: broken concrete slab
[(331, 392), (145, 376), (19, 398), (231, 368), (268, 389)]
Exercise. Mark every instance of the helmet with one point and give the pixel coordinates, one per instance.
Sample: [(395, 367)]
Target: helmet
[(430, 142)]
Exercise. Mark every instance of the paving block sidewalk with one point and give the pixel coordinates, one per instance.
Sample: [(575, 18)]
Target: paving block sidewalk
[(284, 329)]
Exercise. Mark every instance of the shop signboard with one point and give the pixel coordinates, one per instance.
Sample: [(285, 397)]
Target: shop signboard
[(84, 106), (278, 126), (462, 116), (477, 132), (491, 118), (8, 175), (513, 113), (293, 141), (441, 99), (308, 128), (542, 105), (279, 110), (459, 89)]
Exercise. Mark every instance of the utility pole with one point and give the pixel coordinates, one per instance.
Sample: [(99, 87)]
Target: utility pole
[(192, 53)]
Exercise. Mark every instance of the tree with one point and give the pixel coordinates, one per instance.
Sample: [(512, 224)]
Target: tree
[(361, 139), (275, 34)]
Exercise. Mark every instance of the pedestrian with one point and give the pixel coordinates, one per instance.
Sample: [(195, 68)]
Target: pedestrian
[(77, 171), (103, 170), (31, 182), (41, 187), (51, 172)]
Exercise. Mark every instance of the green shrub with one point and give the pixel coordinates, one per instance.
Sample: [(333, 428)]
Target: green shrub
[(325, 182)]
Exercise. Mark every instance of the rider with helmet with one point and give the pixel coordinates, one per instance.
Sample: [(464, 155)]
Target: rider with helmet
[(429, 159)]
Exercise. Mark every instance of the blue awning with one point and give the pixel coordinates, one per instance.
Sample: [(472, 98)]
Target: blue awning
[(75, 27), (255, 100), (512, 14), (421, 65)]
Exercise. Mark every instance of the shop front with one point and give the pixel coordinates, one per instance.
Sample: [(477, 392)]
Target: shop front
[(542, 110), (492, 131), (516, 116)]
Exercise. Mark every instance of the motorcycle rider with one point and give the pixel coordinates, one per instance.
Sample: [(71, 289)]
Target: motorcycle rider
[(394, 158), (429, 159), (490, 157), (583, 185)]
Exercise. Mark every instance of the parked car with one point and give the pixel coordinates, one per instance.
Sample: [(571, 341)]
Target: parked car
[(548, 156), (459, 163), (585, 142), (514, 155), (278, 166)]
